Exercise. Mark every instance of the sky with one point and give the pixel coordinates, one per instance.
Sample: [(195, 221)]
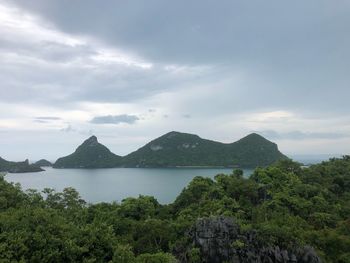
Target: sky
[(130, 71)]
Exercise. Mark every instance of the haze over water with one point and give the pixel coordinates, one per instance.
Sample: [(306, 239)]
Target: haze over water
[(115, 184)]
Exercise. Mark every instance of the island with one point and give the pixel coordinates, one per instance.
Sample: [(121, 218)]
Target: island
[(90, 154), (18, 167), (43, 163), (176, 149)]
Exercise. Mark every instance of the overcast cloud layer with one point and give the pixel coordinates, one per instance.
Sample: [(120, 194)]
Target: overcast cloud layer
[(129, 71)]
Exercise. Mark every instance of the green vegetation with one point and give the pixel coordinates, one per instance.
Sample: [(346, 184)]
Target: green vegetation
[(43, 163), (90, 154), (181, 149), (18, 167), (178, 149), (284, 204)]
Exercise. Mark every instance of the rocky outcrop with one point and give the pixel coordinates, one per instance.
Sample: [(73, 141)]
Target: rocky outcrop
[(214, 237), (221, 240)]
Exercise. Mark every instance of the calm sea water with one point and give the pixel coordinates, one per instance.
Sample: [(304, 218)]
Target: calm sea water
[(106, 185)]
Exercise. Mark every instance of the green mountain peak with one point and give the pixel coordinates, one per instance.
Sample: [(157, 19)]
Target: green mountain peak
[(92, 141), (254, 138), (43, 163), (90, 154), (176, 149)]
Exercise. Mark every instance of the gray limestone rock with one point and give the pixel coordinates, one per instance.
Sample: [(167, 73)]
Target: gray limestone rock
[(220, 240)]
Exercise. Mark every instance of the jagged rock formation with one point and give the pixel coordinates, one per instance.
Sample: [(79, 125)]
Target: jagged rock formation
[(18, 167), (220, 240)]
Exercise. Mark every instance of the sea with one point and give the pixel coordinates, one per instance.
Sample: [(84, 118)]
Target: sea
[(116, 184)]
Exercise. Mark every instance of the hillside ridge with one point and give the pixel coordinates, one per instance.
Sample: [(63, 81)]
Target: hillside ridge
[(177, 149)]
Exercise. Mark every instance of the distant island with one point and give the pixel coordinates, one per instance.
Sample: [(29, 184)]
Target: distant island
[(176, 149), (91, 154), (43, 163), (18, 167)]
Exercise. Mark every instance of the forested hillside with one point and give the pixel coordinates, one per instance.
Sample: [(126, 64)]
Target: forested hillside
[(90, 154), (183, 149), (18, 167), (176, 149), (282, 213)]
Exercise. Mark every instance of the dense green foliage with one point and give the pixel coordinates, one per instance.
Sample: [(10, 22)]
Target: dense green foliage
[(43, 163), (287, 205), (18, 167), (90, 154), (178, 149), (182, 149)]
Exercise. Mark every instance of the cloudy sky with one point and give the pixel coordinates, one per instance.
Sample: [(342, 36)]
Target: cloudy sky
[(130, 71)]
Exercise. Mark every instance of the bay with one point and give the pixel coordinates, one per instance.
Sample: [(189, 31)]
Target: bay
[(116, 184)]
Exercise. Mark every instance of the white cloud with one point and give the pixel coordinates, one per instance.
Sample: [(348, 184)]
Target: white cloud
[(228, 81), (115, 119), (271, 116), (16, 24), (34, 37)]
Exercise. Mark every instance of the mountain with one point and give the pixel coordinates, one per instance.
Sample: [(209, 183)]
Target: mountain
[(182, 149), (90, 154), (254, 150), (176, 149), (18, 167), (43, 163)]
